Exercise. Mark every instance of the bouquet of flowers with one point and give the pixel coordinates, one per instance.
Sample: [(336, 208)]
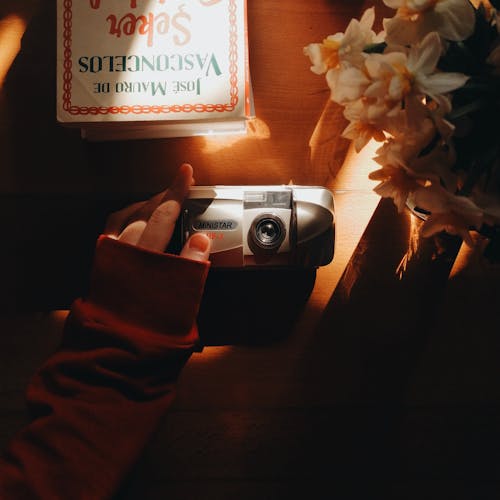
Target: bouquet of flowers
[(427, 87)]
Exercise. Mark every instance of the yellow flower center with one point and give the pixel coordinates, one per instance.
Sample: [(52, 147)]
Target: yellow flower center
[(330, 52), (407, 78)]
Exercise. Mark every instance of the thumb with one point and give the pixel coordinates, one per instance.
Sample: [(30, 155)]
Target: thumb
[(197, 247)]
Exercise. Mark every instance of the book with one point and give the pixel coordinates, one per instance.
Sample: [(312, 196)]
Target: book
[(133, 69)]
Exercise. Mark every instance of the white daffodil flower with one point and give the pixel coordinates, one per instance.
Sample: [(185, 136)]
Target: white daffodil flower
[(438, 109), (438, 200), (388, 74), (422, 66), (347, 84), (395, 76), (448, 212), (394, 183), (451, 223), (453, 19), (405, 146), (389, 84), (360, 129), (437, 166), (343, 47), (410, 93)]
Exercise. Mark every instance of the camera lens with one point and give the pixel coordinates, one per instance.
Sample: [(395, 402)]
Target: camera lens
[(267, 232)]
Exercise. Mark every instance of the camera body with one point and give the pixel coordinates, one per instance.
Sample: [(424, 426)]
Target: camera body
[(263, 225)]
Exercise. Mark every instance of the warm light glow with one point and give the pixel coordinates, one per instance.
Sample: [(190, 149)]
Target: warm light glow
[(183, 83), (413, 241), (477, 3), (210, 354), (354, 173), (355, 202), (469, 258), (256, 129), (59, 316), (12, 28), (461, 261)]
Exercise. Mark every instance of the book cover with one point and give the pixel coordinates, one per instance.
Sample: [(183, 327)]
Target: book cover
[(152, 68)]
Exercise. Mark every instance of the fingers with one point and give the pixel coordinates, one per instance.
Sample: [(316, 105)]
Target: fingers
[(133, 232), (150, 224), (117, 220), (161, 221), (177, 191), (158, 231), (197, 247), (182, 182)]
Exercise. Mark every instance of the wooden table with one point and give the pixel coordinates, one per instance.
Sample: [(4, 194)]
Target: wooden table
[(346, 383)]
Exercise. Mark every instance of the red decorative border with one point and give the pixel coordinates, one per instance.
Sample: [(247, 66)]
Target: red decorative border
[(148, 109)]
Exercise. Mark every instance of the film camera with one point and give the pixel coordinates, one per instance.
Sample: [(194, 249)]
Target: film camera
[(283, 225)]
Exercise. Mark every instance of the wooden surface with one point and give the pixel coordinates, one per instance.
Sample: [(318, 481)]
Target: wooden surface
[(352, 383)]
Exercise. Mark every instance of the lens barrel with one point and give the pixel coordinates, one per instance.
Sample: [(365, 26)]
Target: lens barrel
[(267, 232)]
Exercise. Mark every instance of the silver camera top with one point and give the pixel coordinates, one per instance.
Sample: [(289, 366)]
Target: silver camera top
[(263, 225)]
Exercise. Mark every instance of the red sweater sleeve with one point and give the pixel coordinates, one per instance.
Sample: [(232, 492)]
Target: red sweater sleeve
[(99, 398)]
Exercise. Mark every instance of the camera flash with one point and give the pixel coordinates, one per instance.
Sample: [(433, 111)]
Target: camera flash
[(255, 196)]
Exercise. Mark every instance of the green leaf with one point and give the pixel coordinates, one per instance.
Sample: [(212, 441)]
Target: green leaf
[(375, 48), (468, 108), (469, 56)]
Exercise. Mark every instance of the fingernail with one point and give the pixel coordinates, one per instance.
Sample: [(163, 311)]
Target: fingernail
[(199, 242)]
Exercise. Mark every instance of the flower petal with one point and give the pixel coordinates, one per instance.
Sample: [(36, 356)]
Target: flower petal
[(400, 31), (394, 4), (458, 19), (424, 58), (441, 83), (347, 84), (315, 54)]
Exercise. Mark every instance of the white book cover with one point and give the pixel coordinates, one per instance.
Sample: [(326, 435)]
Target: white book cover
[(138, 61)]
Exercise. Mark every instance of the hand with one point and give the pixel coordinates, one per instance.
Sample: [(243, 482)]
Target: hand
[(150, 224)]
